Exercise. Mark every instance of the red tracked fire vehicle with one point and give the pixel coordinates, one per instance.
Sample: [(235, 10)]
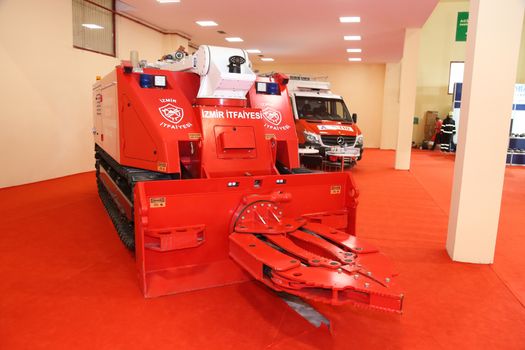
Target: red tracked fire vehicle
[(197, 165)]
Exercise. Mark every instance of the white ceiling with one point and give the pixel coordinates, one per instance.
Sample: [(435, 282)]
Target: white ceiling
[(306, 31)]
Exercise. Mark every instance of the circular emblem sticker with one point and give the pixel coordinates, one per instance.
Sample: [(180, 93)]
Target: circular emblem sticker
[(172, 113), (272, 116)]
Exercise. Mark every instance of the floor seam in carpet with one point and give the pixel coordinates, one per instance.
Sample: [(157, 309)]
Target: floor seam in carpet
[(428, 193), (507, 286)]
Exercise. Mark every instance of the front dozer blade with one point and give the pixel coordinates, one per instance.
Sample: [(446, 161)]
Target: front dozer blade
[(293, 233)]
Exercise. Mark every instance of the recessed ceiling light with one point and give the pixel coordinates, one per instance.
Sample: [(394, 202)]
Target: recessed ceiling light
[(355, 59), (206, 23), (92, 26), (353, 37), (267, 59), (167, 1), (234, 40), (350, 19), (354, 50), (253, 51)]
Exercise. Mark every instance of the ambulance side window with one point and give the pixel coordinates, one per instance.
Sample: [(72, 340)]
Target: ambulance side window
[(343, 111), (339, 110)]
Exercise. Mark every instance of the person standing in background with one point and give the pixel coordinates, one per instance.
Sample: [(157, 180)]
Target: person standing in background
[(437, 133), (448, 129)]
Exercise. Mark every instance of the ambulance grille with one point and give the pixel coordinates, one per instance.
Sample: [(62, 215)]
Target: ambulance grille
[(331, 140)]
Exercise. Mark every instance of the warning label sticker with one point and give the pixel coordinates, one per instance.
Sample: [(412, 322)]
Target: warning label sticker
[(161, 166), (335, 189), (157, 202)]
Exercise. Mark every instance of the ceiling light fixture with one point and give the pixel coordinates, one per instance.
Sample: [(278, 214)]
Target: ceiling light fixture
[(354, 50), (267, 59), (167, 1), (207, 23), (354, 19), (355, 59), (92, 26), (234, 40), (353, 37), (253, 51)]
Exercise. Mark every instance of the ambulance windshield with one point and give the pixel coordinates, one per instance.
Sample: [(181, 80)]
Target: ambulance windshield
[(318, 108)]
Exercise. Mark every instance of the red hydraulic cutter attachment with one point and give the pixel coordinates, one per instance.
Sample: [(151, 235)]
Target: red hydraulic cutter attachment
[(309, 259)]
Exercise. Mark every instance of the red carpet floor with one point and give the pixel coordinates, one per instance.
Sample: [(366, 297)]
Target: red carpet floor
[(67, 283)]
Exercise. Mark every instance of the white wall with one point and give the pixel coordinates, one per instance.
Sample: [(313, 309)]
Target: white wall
[(45, 95)]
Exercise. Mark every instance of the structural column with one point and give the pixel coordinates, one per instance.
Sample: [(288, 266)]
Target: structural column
[(407, 98), (390, 106), (490, 74)]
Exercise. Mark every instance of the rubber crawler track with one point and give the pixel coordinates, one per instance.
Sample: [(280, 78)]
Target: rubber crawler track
[(124, 227)]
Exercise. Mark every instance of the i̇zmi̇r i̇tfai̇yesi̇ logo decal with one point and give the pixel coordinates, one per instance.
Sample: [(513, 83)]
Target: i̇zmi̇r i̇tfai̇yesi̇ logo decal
[(273, 119), (172, 113), (272, 116)]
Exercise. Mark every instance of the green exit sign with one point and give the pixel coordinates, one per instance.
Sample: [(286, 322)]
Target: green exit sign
[(462, 26)]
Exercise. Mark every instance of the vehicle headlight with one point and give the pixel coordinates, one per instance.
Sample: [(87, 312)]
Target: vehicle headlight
[(359, 141), (312, 137)]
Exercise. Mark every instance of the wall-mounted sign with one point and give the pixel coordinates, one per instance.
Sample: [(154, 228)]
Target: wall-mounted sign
[(462, 26)]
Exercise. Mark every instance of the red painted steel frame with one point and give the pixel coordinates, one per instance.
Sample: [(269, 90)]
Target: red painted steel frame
[(147, 139), (205, 231), (281, 126)]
